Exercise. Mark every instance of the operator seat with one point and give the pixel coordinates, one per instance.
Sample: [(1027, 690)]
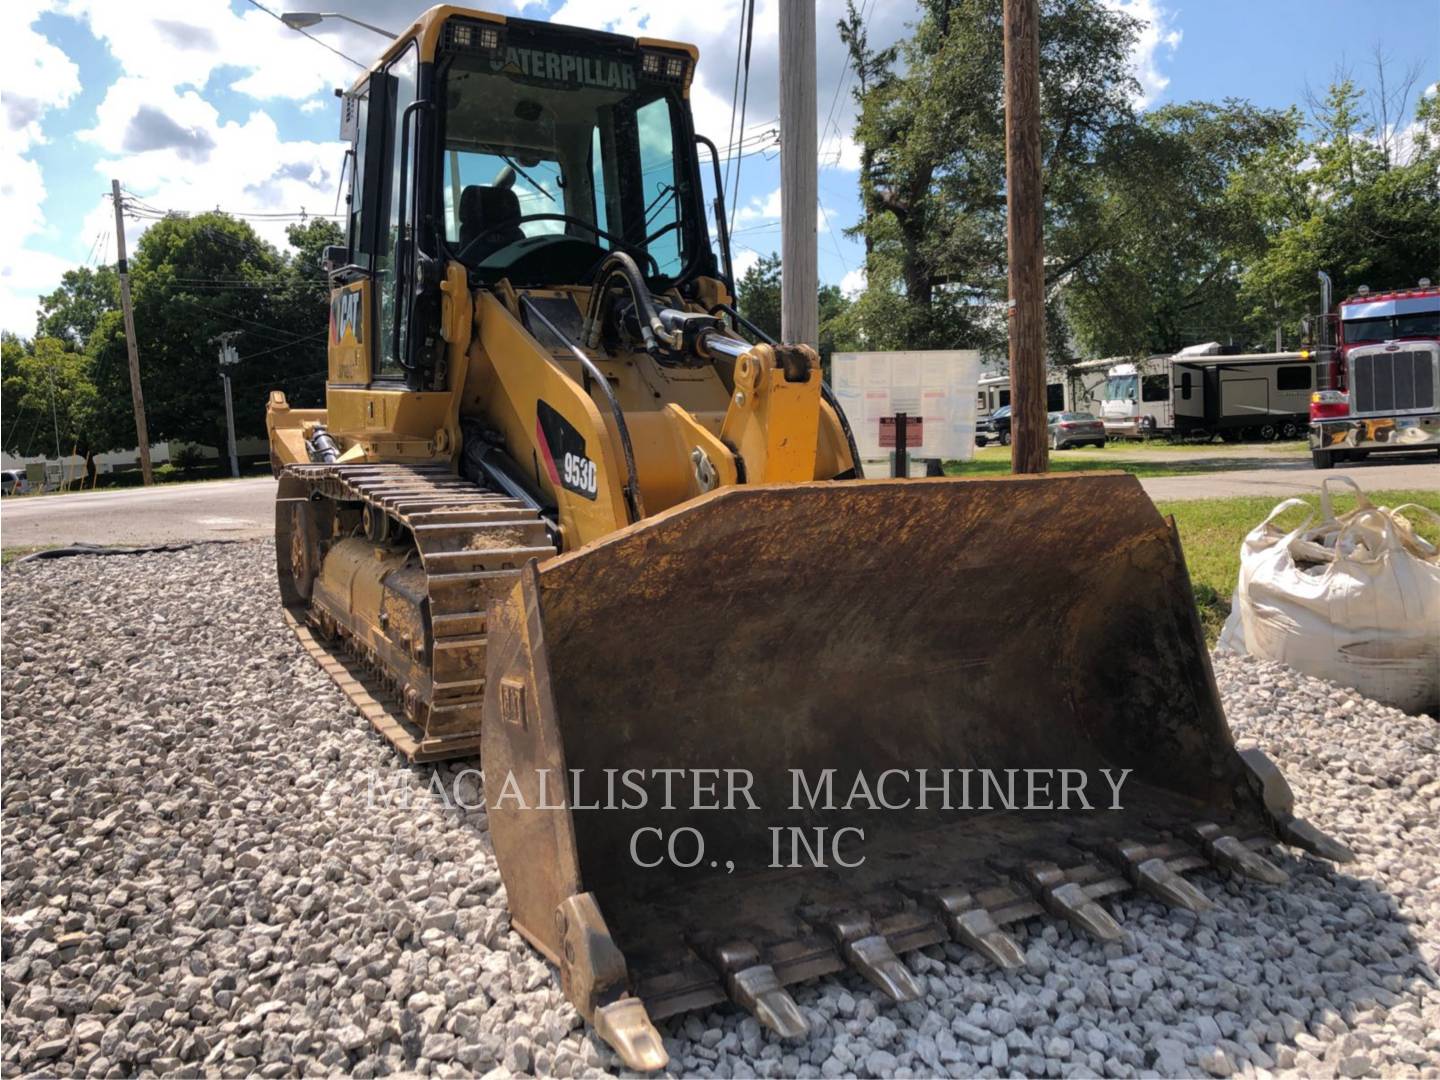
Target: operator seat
[(482, 207)]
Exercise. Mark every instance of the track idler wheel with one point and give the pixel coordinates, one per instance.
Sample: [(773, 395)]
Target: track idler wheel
[(304, 548)]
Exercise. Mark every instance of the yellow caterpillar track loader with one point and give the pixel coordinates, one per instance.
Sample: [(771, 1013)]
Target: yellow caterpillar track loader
[(746, 718)]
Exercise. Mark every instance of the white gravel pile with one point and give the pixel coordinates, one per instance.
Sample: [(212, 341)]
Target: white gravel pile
[(209, 868)]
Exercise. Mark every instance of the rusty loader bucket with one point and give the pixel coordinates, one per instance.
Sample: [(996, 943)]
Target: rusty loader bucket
[(889, 714)]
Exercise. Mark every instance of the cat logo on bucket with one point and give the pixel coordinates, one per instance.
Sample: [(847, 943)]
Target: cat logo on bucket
[(345, 316)]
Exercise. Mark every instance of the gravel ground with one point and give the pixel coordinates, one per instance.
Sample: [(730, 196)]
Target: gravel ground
[(196, 879)]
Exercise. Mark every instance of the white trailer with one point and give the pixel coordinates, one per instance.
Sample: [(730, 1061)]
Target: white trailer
[(1063, 393), (1248, 396)]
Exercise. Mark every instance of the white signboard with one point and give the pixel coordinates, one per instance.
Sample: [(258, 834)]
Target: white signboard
[(936, 386)]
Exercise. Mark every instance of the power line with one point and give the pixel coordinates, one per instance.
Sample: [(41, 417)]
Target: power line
[(831, 230), (735, 93), (744, 99), (287, 345), (309, 35)]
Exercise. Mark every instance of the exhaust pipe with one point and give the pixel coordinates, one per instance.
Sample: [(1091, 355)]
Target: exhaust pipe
[(1326, 291)]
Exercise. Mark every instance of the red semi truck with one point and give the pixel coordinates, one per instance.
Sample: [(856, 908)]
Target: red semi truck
[(1379, 375)]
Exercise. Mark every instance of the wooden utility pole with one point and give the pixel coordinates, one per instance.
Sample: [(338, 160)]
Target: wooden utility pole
[(1025, 218), (137, 395), (799, 268)]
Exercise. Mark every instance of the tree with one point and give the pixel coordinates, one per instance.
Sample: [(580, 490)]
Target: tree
[(52, 402), (1163, 274), (195, 279), (1336, 196), (73, 311), (933, 151), (758, 299)]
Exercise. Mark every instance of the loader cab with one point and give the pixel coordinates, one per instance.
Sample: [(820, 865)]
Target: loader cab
[(522, 151)]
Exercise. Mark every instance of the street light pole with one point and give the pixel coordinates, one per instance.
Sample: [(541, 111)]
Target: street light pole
[(300, 20), (229, 358)]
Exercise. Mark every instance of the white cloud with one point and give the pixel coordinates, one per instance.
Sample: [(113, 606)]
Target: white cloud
[(37, 76), (1157, 42), (853, 283), (197, 37), (313, 105), (22, 281), (760, 209), (170, 148), (745, 258)]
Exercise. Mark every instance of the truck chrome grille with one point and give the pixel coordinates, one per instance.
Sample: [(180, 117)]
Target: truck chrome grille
[(1388, 382)]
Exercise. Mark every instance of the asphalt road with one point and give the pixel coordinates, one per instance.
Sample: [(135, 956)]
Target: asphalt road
[(243, 509), (169, 513)]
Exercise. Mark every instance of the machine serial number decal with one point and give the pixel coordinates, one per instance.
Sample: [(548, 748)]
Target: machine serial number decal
[(562, 451), (579, 475)]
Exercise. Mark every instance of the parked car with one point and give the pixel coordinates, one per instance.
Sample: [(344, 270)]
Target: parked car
[(13, 482), (994, 428), (1075, 429)]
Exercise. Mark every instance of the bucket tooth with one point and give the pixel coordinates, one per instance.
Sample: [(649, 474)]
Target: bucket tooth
[(1279, 802), (1069, 900), (865, 949), (754, 986), (1155, 877), (1230, 853), (626, 1026), (1151, 874), (757, 989), (973, 926), (1300, 833)]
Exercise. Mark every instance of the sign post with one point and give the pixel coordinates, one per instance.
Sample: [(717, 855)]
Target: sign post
[(900, 432)]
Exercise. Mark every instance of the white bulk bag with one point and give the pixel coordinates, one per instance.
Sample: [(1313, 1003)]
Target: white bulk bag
[(1354, 599)]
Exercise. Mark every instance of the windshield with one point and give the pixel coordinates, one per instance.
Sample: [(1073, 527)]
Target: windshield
[(1121, 387), (1390, 327), (558, 138)]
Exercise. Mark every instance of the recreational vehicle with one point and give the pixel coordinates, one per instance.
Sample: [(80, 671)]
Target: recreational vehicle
[(993, 392), (1205, 390), (1256, 396)]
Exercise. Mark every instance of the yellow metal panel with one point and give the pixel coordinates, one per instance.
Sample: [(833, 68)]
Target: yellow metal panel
[(509, 377), (773, 422), (286, 429), (349, 348)]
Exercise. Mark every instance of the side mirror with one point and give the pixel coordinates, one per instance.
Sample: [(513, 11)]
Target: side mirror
[(334, 257)]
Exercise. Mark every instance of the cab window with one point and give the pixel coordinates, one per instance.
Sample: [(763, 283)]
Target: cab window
[(399, 174)]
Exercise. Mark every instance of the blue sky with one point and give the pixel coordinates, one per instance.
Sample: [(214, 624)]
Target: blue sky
[(195, 104)]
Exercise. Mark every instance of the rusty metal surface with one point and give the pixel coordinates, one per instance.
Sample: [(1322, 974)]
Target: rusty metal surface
[(392, 568), (865, 626)]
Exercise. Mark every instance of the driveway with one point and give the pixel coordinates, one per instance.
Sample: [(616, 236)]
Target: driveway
[(245, 509), (165, 514), (1298, 477)]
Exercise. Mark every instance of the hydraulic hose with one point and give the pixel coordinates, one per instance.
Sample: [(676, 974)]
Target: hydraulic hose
[(620, 265)]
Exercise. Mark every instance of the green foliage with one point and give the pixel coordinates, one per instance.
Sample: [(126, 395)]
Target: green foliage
[(73, 311), (758, 299), (1161, 274), (196, 279), (1332, 197), (1193, 222), (49, 398), (933, 163)]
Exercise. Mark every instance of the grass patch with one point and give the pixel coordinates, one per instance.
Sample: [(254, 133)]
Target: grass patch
[(1121, 447), (10, 554), (995, 461), (1211, 531)]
